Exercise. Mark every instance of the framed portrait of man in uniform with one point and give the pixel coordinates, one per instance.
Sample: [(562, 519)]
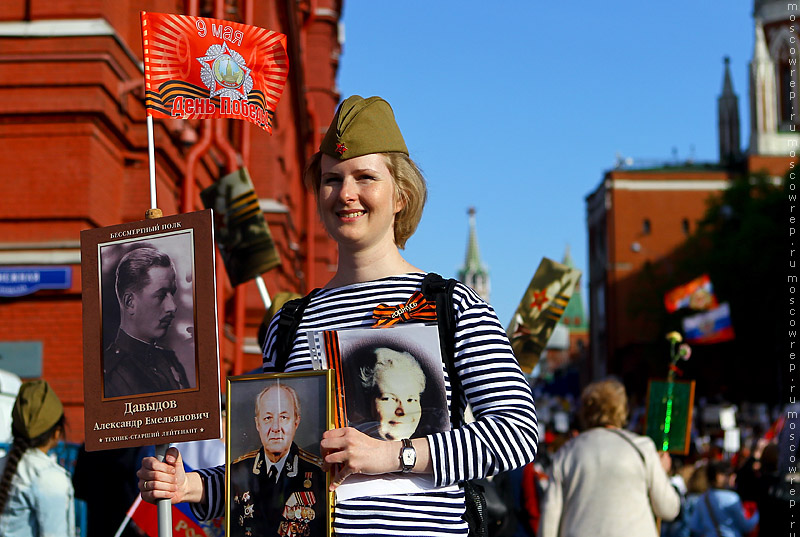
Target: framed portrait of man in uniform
[(151, 361), (148, 315), (274, 478)]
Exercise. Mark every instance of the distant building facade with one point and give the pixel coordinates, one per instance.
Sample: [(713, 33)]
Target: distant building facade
[(639, 215)]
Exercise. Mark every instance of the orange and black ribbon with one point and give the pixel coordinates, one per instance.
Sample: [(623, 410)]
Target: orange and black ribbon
[(415, 307)]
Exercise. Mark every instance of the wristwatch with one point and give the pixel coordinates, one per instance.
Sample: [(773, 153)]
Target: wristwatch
[(408, 456)]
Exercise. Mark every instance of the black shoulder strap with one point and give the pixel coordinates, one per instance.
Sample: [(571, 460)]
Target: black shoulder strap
[(291, 315), (439, 290)]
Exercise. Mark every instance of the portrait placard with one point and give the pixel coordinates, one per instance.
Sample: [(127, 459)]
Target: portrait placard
[(389, 384), (151, 366), (672, 433), (274, 479)]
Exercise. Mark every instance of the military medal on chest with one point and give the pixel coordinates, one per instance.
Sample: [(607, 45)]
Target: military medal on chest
[(298, 512)]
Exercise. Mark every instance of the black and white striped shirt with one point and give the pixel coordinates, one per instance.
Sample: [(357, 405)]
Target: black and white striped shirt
[(503, 436)]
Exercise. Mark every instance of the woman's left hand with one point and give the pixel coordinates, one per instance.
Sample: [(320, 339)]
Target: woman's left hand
[(349, 451)]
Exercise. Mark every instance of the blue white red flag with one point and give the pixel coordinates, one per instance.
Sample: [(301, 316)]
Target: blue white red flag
[(713, 326)]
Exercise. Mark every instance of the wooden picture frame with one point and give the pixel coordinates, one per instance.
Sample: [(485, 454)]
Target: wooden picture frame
[(160, 383)]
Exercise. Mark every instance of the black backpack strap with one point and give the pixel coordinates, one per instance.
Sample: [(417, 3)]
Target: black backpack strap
[(290, 316), (437, 289)]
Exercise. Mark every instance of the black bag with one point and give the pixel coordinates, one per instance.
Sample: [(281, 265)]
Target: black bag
[(475, 513)]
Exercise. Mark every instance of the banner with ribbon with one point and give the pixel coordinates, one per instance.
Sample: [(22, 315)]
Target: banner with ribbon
[(242, 235), (196, 67), (540, 309)]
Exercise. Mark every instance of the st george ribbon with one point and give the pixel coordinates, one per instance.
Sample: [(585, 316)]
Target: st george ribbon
[(196, 67)]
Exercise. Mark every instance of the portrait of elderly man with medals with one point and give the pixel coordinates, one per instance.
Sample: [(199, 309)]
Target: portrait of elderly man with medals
[(278, 489)]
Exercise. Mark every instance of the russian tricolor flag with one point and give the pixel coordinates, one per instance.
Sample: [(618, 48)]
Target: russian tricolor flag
[(713, 326)]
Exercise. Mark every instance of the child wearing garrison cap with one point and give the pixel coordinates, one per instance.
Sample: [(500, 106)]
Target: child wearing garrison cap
[(36, 496), (370, 196)]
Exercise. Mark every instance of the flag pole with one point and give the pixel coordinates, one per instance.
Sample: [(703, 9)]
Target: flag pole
[(128, 515), (152, 156), (262, 290)]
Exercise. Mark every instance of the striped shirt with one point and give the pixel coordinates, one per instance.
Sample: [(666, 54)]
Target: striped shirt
[(502, 437)]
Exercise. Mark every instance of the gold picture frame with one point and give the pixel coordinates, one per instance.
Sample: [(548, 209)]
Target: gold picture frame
[(277, 420)]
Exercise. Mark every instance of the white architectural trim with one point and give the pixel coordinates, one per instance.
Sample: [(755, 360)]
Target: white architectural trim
[(630, 184), (66, 28), (41, 257), (57, 28)]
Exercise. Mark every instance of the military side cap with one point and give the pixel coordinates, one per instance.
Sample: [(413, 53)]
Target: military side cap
[(36, 410), (363, 126)]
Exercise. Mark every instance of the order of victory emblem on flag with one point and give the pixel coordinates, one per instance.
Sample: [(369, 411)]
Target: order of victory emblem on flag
[(196, 67), (225, 73)]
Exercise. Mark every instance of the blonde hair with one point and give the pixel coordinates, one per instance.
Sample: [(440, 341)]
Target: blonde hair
[(603, 403), (409, 187)]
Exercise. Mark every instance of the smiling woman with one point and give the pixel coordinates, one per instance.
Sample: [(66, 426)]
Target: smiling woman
[(370, 197)]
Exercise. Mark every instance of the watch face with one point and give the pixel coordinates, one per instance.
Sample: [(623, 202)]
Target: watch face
[(409, 456)]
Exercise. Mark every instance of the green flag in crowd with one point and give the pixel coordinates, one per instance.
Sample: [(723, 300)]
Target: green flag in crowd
[(539, 311), (241, 232)]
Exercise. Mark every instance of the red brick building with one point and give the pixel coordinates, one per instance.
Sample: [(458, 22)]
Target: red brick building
[(640, 214), (74, 146)]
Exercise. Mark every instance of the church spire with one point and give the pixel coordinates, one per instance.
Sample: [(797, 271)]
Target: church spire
[(728, 119), (474, 273)]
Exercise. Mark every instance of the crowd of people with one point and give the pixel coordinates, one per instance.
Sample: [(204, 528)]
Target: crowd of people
[(584, 469)]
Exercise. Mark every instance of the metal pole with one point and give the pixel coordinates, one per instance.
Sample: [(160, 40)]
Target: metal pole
[(262, 290), (151, 152), (164, 505)]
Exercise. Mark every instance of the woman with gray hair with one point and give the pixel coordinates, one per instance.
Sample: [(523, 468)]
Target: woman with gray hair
[(395, 384), (607, 481)]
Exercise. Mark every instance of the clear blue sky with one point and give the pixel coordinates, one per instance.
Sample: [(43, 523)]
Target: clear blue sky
[(519, 107)]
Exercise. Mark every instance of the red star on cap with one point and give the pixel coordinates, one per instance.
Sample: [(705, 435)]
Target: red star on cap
[(341, 148), (539, 299)]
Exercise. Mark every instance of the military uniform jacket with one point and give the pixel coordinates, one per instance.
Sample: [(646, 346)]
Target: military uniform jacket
[(294, 506), (132, 367)]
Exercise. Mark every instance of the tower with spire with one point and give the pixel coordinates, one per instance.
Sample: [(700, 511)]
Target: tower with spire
[(474, 273), (728, 119)]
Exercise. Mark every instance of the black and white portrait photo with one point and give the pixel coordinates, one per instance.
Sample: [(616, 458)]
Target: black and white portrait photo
[(148, 315), (394, 381)]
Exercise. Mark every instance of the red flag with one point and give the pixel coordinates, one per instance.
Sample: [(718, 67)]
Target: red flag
[(698, 294), (195, 67)]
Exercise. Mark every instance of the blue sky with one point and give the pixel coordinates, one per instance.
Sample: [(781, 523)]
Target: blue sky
[(518, 108)]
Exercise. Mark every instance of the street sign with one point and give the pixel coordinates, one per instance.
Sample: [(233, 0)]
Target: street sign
[(20, 281)]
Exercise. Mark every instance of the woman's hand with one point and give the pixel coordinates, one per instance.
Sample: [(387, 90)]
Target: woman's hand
[(159, 480), (349, 451), (665, 460)]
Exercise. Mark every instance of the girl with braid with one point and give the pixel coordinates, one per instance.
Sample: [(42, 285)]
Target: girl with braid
[(36, 496)]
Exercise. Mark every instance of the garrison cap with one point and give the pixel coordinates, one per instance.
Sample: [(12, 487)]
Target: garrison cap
[(363, 126), (36, 410)]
